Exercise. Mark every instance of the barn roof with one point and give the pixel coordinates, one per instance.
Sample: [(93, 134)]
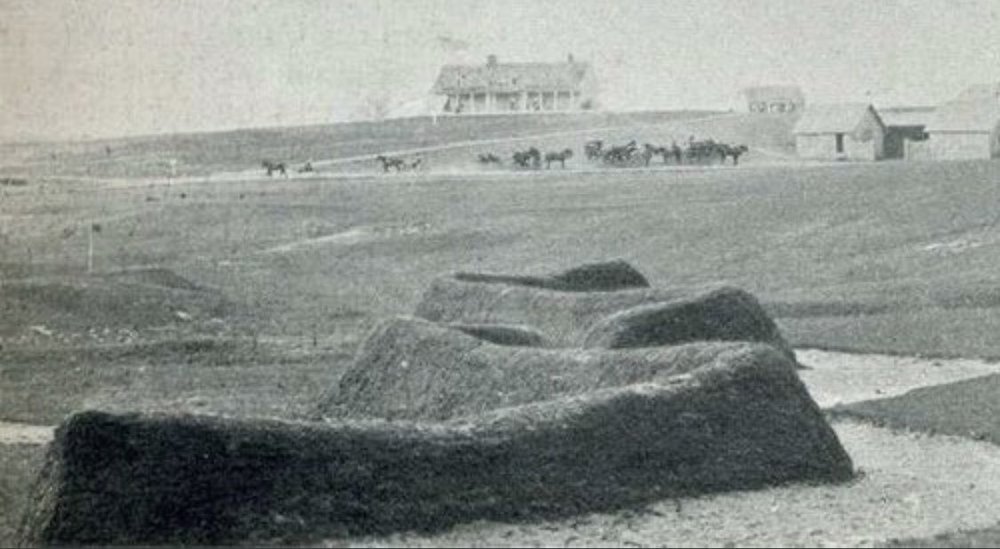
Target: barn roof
[(511, 77), (764, 93), (980, 91), (833, 118), (980, 115), (906, 116)]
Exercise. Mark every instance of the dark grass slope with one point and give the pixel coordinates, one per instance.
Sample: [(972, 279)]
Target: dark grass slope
[(567, 318), (725, 314), (591, 277), (19, 465), (133, 479), (125, 299), (503, 334), (967, 408), (417, 370)]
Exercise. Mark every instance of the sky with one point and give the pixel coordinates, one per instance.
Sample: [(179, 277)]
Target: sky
[(100, 68)]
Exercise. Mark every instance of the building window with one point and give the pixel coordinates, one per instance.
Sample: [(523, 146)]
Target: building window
[(840, 142)]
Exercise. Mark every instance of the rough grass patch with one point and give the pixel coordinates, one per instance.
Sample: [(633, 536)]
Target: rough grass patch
[(591, 277), (724, 314), (966, 408), (573, 319), (414, 369)]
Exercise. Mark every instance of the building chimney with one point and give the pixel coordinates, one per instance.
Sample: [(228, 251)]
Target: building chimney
[(491, 60), (569, 58)]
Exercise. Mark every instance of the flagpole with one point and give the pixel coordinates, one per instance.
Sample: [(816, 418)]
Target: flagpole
[(94, 228), (90, 250)]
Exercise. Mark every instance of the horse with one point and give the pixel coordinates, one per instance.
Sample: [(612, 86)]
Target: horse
[(734, 151), (559, 157), (620, 154), (391, 162), (652, 150), (272, 167), (530, 158), (489, 158), (678, 153), (700, 150), (593, 149)]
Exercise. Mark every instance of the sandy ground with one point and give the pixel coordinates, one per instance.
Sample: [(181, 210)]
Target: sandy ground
[(22, 433), (435, 174), (841, 378)]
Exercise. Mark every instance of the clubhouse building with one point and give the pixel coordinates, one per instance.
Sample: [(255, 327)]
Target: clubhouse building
[(497, 87)]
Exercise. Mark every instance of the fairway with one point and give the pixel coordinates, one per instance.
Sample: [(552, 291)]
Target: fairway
[(890, 257)]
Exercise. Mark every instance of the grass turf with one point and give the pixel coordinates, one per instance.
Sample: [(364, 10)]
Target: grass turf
[(967, 408), (19, 463), (986, 537), (233, 378)]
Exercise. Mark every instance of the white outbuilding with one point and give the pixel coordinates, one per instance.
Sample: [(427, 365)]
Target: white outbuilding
[(965, 129), (841, 131)]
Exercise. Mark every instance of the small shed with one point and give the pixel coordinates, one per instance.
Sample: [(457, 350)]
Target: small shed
[(965, 129), (904, 126), (841, 131)]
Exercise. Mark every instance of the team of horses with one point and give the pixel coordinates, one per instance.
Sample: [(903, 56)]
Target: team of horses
[(696, 152), (530, 158), (399, 163), (272, 168), (627, 155)]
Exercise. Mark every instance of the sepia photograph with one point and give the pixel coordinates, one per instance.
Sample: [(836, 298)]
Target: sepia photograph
[(500, 273)]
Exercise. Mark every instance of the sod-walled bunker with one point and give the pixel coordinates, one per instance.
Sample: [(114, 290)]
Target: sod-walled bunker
[(468, 416)]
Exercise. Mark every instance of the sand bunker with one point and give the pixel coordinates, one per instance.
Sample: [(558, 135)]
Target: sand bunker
[(843, 378)]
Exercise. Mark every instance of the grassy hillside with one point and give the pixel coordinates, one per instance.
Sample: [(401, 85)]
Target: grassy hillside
[(896, 257), (203, 153), (890, 257), (772, 133)]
